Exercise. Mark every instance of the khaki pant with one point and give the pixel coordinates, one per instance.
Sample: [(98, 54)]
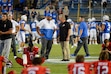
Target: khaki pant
[(65, 49)]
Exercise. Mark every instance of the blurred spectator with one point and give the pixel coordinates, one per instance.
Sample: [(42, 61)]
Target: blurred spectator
[(54, 15), (66, 12), (60, 11), (104, 5), (22, 3), (60, 3), (33, 15), (47, 11), (10, 5), (26, 12), (35, 4)]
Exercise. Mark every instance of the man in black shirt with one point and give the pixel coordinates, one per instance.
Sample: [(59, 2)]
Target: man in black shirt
[(64, 35), (5, 35)]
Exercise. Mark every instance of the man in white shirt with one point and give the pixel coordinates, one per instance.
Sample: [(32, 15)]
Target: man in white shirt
[(15, 29), (46, 29)]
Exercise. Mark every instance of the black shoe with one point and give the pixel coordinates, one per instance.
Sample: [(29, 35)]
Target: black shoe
[(65, 60)]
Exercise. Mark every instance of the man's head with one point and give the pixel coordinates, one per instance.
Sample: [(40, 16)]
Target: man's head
[(49, 16), (4, 16), (37, 61), (79, 58), (81, 18), (62, 17), (10, 16), (24, 17), (106, 42), (104, 55)]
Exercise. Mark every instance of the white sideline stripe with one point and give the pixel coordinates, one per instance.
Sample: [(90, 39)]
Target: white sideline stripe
[(90, 57), (71, 60)]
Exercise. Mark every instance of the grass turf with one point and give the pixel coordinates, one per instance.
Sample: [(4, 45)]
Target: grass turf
[(56, 53)]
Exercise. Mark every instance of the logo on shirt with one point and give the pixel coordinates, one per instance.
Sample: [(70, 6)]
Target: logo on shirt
[(63, 25), (4, 25)]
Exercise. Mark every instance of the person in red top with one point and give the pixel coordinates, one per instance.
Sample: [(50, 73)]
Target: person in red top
[(107, 47), (28, 53), (103, 66), (36, 68), (79, 67), (1, 64)]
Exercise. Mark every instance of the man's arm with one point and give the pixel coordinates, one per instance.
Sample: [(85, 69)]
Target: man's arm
[(80, 33), (68, 36), (38, 31), (7, 32)]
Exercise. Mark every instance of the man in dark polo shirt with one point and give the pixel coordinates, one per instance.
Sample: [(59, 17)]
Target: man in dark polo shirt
[(64, 35), (5, 35)]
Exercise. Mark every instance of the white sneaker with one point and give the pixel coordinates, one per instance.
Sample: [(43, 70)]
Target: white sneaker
[(72, 46), (75, 45), (19, 50), (15, 57), (96, 43)]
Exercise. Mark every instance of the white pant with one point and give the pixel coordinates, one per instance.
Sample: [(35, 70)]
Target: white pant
[(21, 36), (35, 35), (105, 36), (93, 34)]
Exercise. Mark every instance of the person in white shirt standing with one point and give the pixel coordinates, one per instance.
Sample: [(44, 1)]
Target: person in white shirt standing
[(46, 29), (15, 29)]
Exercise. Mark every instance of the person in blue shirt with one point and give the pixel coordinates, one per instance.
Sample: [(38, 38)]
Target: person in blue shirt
[(10, 5), (105, 28), (82, 37)]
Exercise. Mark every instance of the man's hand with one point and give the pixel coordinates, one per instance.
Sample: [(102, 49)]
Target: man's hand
[(78, 38), (1, 32), (67, 39), (41, 34)]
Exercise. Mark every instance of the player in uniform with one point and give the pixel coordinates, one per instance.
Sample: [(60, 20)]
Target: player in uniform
[(36, 68), (107, 47), (105, 28), (21, 34), (28, 54), (80, 67), (93, 33), (103, 66), (35, 35)]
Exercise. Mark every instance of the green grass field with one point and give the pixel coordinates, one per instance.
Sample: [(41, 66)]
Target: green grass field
[(56, 53)]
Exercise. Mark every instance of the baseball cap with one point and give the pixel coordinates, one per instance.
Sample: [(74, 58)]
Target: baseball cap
[(49, 14)]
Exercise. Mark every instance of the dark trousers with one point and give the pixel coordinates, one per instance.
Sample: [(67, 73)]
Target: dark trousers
[(46, 47), (71, 40), (84, 44), (14, 45)]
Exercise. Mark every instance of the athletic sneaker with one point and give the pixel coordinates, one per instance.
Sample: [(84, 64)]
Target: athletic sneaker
[(73, 55), (87, 56)]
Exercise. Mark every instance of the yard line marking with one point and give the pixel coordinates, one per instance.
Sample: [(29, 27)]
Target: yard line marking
[(71, 60)]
